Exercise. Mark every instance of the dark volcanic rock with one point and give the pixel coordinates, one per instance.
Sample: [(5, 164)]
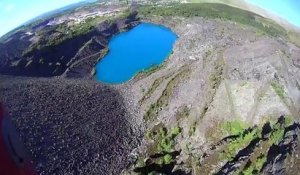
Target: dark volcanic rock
[(12, 49), (70, 126), (55, 59), (277, 154), (84, 62), (91, 47)]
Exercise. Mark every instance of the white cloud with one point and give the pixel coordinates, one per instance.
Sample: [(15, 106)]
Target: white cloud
[(9, 7)]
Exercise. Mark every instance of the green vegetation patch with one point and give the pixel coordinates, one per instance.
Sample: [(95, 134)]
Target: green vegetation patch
[(164, 142), (166, 95), (277, 136), (65, 32), (165, 139), (278, 130), (279, 89), (217, 11), (294, 37), (192, 129), (234, 127), (254, 167), (167, 159), (247, 171), (183, 113), (240, 142), (245, 135), (152, 69), (216, 77), (288, 120), (246, 147), (153, 87), (260, 162)]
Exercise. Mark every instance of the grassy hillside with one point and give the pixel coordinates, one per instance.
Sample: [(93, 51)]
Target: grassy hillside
[(293, 31), (219, 11), (294, 37)]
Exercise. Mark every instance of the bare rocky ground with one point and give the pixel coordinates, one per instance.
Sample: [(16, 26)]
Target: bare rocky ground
[(71, 126), (219, 72), (244, 67), (231, 73)]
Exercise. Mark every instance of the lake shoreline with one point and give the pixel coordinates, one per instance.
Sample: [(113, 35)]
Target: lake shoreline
[(134, 51)]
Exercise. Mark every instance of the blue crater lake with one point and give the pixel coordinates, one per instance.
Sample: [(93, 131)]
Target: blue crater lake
[(130, 52)]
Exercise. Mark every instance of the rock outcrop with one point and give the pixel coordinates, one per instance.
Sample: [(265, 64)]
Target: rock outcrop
[(54, 60)]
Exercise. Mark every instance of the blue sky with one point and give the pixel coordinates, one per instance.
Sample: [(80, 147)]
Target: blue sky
[(287, 9), (15, 12)]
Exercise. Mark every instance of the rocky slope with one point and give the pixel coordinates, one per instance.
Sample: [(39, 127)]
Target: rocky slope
[(71, 126), (68, 126), (221, 75), (54, 59)]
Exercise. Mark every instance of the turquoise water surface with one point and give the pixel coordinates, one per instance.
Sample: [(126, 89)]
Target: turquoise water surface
[(130, 52)]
